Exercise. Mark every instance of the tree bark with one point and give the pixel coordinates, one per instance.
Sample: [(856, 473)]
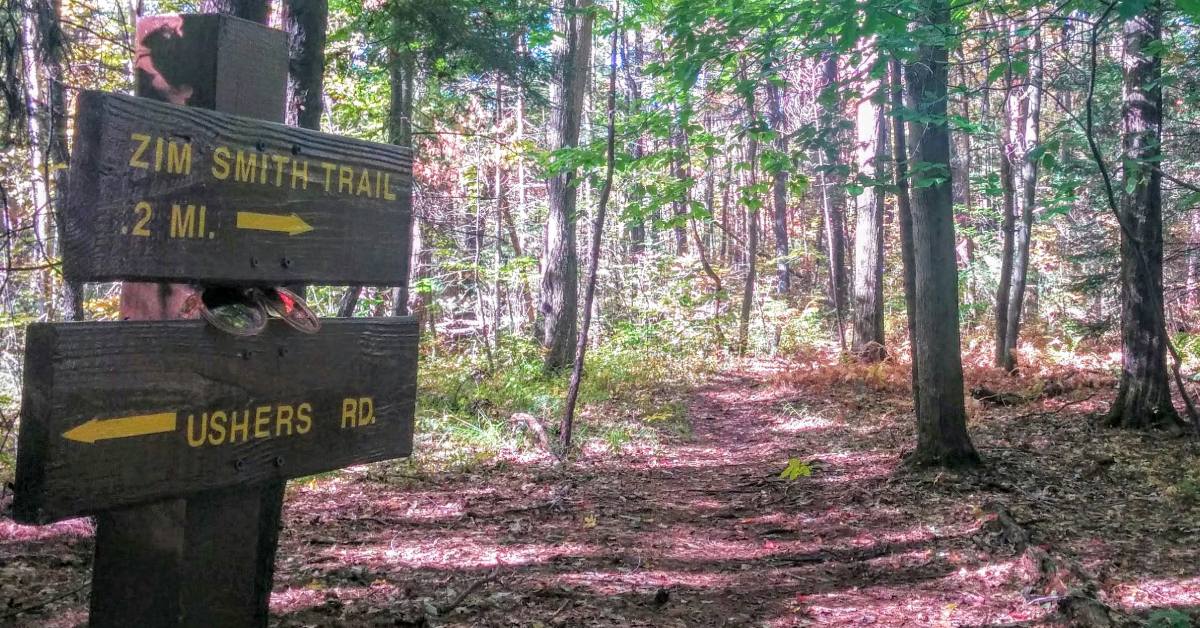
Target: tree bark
[(868, 234), (779, 182), (831, 196), (50, 145), (589, 293), (305, 23), (253, 10), (1031, 111), (1143, 394), (942, 438), (904, 211), (402, 68), (1007, 209), (751, 243), (560, 271)]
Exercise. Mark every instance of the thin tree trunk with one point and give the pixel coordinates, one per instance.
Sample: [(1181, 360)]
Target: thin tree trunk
[(1007, 209), (52, 153), (589, 294), (779, 183), (1143, 394), (942, 437), (632, 62), (831, 197), (560, 273), (1031, 110), (904, 210), (680, 205), (751, 242), (402, 68), (868, 234)]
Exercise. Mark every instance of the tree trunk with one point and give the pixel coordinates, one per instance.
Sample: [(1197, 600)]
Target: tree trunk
[(305, 23), (589, 293), (50, 146), (560, 273), (632, 62), (253, 10), (779, 181), (1143, 395), (402, 68), (1007, 209), (1192, 298), (1031, 111), (868, 234), (831, 195), (942, 437), (751, 244), (904, 210), (679, 171)]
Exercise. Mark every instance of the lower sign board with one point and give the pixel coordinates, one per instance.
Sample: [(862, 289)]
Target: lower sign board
[(117, 414)]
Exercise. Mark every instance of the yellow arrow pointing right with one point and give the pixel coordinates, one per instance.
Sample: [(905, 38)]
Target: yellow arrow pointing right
[(290, 224), (123, 427)]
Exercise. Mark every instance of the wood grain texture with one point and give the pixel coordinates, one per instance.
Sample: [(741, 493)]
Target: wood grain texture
[(78, 372), (356, 237)]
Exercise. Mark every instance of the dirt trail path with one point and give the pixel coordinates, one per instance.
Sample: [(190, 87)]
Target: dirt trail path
[(702, 531)]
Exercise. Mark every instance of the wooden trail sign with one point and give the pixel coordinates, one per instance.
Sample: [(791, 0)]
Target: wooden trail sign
[(161, 192), (124, 413), (177, 437)]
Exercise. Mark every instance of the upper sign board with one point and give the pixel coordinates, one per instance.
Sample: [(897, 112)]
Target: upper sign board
[(161, 192), (121, 413)]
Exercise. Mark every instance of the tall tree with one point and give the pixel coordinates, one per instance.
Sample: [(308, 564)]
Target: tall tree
[(589, 293), (779, 185), (942, 437), (752, 203), (560, 270), (904, 213), (1030, 117), (305, 22), (1008, 151), (829, 158), (1143, 394), (868, 234), (48, 129)]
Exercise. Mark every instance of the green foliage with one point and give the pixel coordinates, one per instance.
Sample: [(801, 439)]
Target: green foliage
[(796, 469), (1169, 618)]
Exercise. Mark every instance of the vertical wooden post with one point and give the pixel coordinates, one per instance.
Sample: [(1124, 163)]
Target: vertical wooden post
[(205, 560)]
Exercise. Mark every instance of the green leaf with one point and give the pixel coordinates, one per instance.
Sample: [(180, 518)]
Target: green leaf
[(796, 468)]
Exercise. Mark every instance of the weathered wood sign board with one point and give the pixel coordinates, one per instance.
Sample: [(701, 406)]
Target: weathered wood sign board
[(161, 192), (124, 413)]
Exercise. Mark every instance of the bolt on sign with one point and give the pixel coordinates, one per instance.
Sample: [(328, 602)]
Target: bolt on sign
[(161, 192)]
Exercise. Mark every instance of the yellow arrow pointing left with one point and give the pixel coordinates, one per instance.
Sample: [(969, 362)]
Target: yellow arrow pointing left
[(123, 427)]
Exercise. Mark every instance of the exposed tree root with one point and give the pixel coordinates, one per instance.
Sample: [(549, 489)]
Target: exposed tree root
[(1055, 577)]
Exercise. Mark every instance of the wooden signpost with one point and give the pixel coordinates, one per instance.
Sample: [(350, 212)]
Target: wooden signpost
[(175, 436)]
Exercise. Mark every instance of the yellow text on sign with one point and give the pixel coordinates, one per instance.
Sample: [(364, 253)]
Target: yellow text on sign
[(250, 166), (185, 221), (228, 427), (357, 412)]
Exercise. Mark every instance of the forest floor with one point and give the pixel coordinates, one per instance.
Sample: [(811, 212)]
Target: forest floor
[(702, 530)]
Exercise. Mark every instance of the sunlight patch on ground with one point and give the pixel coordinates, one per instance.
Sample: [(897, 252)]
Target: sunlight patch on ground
[(15, 532), (906, 605), (1158, 593), (455, 553), (620, 582)]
